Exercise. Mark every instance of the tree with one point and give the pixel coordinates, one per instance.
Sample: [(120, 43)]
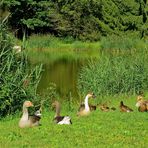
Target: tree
[(143, 10), (82, 19)]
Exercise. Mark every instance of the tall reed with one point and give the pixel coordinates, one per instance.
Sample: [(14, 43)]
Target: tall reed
[(118, 70), (17, 82)]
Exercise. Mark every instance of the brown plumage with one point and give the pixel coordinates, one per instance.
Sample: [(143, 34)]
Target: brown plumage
[(36, 117), (124, 108), (142, 104), (104, 108), (58, 119), (113, 108)]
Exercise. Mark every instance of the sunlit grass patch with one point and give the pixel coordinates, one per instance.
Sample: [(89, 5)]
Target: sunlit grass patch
[(100, 129)]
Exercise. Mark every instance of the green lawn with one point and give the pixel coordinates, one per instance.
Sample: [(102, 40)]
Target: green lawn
[(100, 130)]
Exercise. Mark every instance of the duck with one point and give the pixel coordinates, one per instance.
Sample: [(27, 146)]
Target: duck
[(58, 119), (142, 104), (84, 111), (26, 120), (124, 108)]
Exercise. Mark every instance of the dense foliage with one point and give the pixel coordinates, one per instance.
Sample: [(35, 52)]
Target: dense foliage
[(17, 83), (121, 69), (82, 19)]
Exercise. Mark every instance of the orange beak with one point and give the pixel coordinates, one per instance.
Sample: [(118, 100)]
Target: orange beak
[(30, 104)]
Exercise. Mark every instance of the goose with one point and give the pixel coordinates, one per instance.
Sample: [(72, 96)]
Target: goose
[(36, 117), (84, 111), (26, 120), (58, 119), (124, 108), (142, 104), (92, 107)]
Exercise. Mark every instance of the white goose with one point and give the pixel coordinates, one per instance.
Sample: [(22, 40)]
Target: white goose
[(29, 121), (84, 111), (58, 119)]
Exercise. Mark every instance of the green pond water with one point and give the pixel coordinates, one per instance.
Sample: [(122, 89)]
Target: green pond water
[(64, 74)]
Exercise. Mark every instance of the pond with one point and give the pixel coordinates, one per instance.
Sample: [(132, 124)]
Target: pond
[(64, 74)]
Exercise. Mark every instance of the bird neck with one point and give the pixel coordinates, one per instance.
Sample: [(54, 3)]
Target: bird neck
[(121, 103), (25, 112), (86, 103), (57, 110)]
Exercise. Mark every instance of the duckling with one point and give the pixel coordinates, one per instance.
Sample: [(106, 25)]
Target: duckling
[(92, 107), (142, 104), (84, 111), (104, 108), (113, 108), (26, 120), (58, 119), (124, 108)]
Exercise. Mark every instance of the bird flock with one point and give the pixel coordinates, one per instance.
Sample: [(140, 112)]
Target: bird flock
[(84, 110)]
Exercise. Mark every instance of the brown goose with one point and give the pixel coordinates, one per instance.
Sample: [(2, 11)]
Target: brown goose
[(58, 119), (124, 108), (142, 104), (84, 111), (26, 120)]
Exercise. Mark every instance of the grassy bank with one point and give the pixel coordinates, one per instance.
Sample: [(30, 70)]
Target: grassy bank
[(100, 129), (44, 48)]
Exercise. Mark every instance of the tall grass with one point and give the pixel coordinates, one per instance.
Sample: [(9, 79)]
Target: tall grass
[(17, 82), (50, 42), (121, 69), (46, 47), (122, 43)]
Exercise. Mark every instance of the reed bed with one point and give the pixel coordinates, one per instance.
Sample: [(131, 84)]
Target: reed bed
[(45, 48), (121, 68)]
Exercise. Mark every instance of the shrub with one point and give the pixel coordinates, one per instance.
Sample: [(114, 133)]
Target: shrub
[(17, 82)]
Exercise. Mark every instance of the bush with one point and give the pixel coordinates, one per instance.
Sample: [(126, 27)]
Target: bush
[(17, 82)]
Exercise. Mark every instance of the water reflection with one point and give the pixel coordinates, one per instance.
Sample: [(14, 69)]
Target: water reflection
[(64, 74)]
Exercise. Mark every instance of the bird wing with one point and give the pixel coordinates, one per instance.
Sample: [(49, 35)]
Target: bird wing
[(58, 119), (34, 118)]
